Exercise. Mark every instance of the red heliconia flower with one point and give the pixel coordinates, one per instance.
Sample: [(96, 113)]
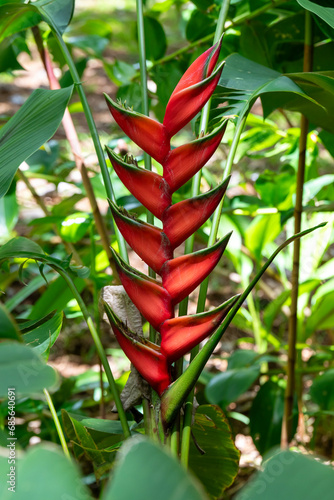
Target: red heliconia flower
[(179, 335), (184, 218), (185, 161), (144, 355), (179, 276), (149, 188), (149, 134), (149, 242)]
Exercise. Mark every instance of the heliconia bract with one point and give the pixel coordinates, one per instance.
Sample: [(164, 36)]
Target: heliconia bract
[(156, 299)]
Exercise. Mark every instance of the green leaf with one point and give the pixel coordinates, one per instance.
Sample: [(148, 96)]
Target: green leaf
[(98, 424), (323, 9), (33, 285), (74, 227), (322, 314), (131, 93), (155, 39), (242, 358), (266, 416), (35, 122), (146, 471), (240, 73), (20, 247), (199, 25), (91, 44), (97, 439), (56, 297), (229, 385), (84, 443), (42, 334), (328, 141), (273, 308), (44, 472), (319, 108), (15, 17), (275, 188), (262, 230), (23, 369), (218, 466), (322, 390), (292, 476), (8, 55), (60, 11), (202, 4), (9, 211), (8, 327), (253, 42), (243, 81), (23, 248), (120, 72), (166, 77), (313, 186)]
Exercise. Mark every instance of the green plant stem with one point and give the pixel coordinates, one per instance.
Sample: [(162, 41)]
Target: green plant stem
[(100, 351), (57, 423), (259, 341), (293, 319), (175, 437), (92, 127), (147, 417), (96, 311), (145, 109), (143, 82)]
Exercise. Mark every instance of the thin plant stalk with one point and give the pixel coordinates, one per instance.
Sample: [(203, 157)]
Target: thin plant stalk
[(175, 437), (96, 313), (92, 127), (293, 322), (145, 108), (74, 143), (100, 351), (57, 423)]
